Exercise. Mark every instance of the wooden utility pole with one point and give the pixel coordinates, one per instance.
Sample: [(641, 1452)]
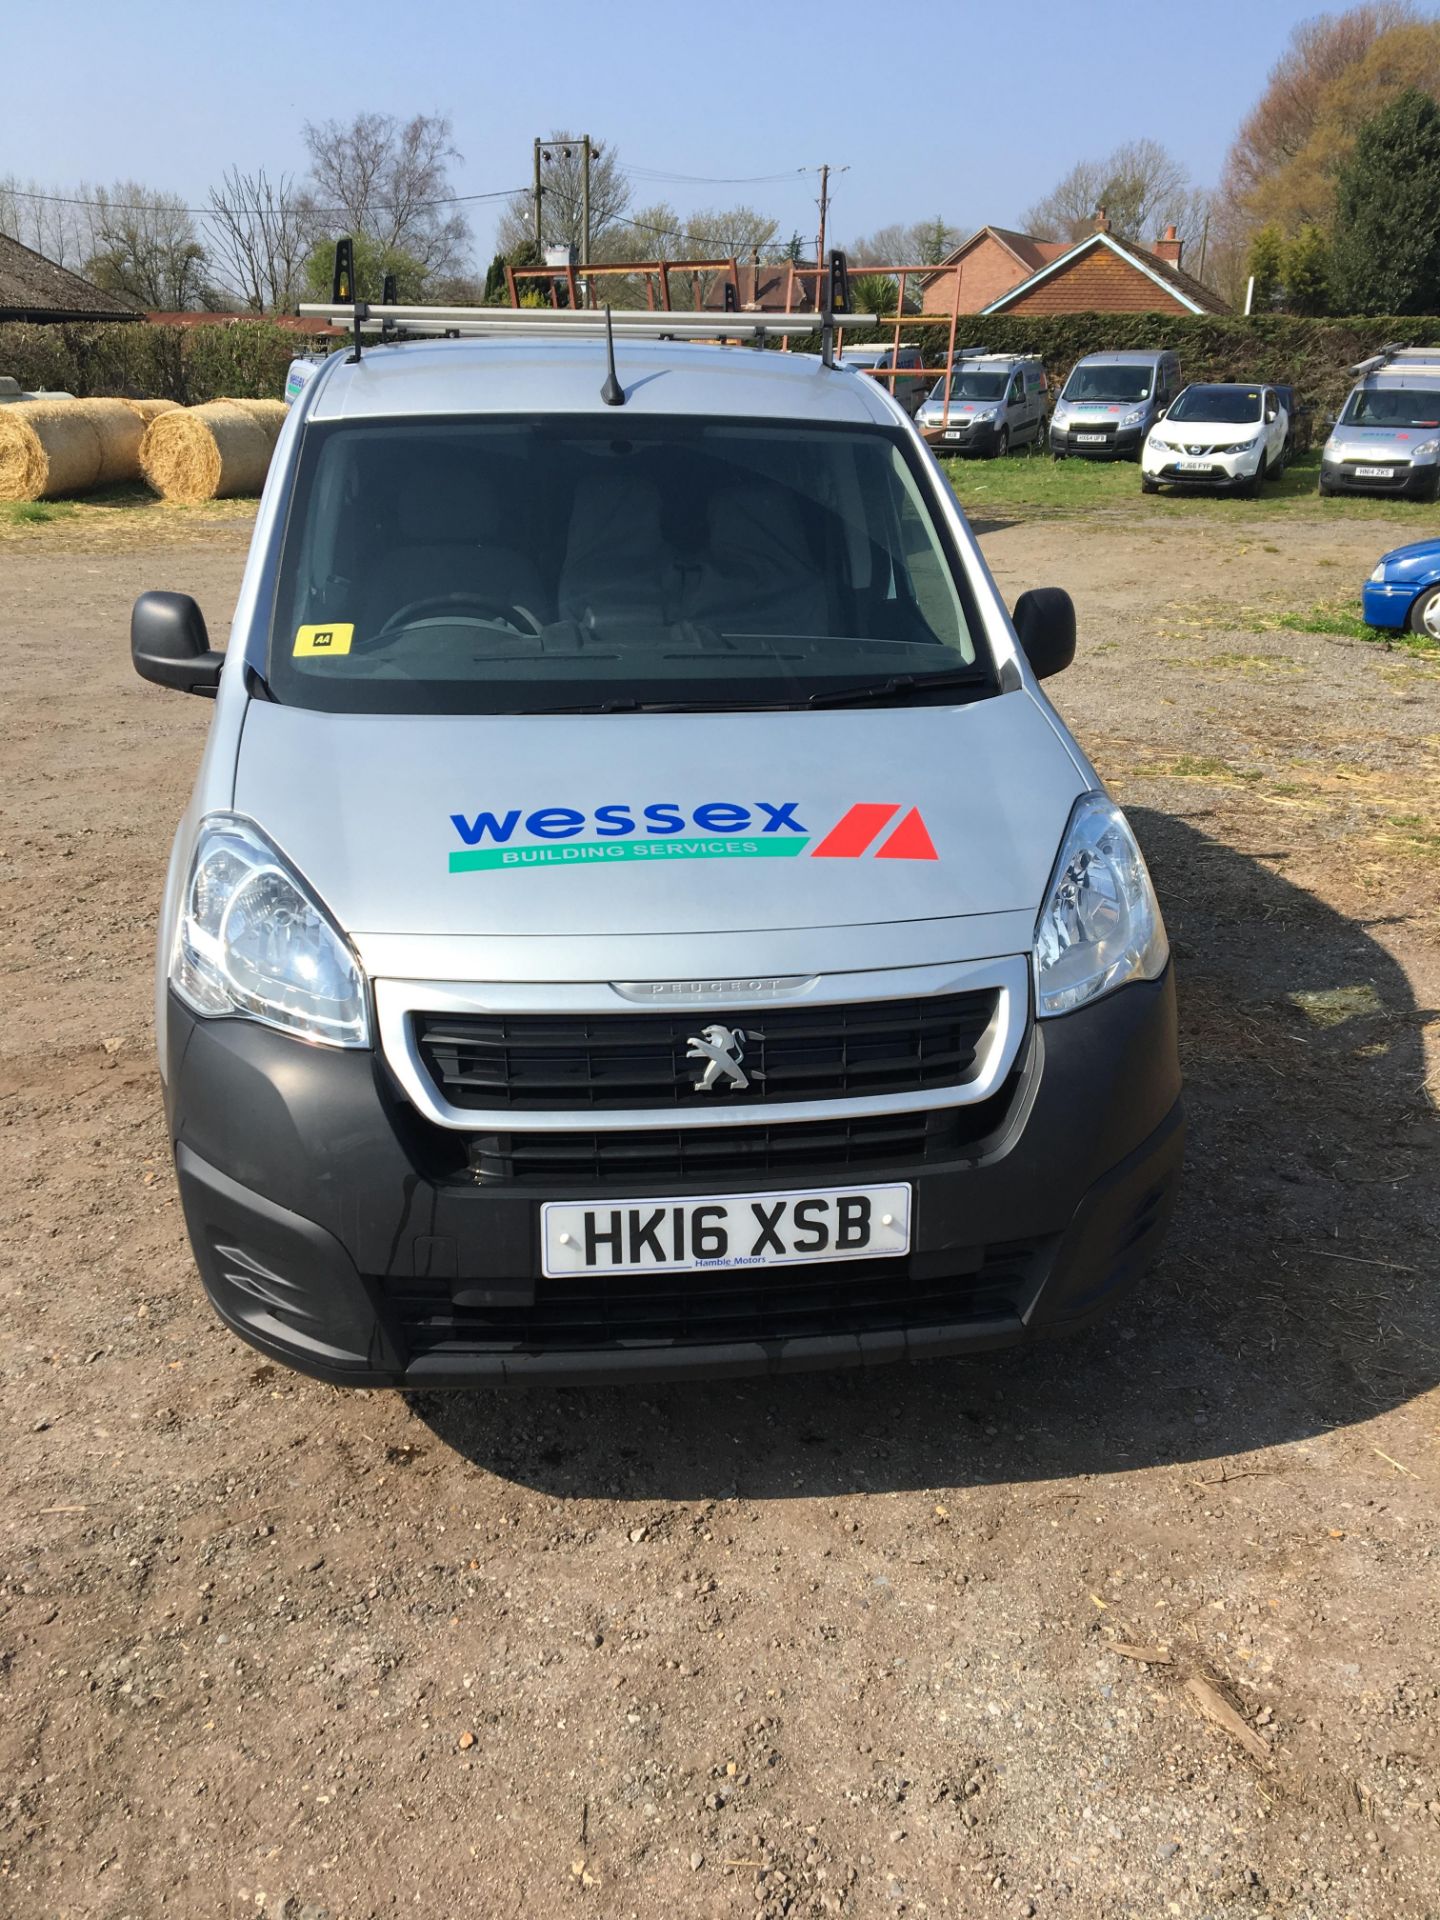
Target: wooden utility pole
[(539, 241), (824, 204), (584, 199)]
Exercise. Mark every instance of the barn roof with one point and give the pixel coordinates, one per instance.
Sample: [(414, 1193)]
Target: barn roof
[(34, 288)]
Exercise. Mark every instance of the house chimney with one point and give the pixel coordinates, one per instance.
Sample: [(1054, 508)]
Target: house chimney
[(1171, 247), (1102, 220)]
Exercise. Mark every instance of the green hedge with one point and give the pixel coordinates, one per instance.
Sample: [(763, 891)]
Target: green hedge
[(246, 360), (249, 359), (1315, 356)]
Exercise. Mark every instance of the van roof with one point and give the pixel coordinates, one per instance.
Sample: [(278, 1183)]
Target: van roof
[(1141, 357), (530, 375)]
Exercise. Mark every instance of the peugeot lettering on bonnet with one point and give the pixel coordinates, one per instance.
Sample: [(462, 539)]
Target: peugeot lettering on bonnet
[(638, 910)]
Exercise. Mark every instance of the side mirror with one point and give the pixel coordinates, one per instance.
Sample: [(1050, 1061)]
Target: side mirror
[(169, 644), (1271, 414), (1045, 627), (1162, 413)]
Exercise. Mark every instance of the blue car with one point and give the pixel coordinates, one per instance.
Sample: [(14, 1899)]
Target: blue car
[(1404, 590)]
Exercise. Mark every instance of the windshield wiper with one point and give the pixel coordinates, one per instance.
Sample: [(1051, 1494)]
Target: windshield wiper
[(898, 684)]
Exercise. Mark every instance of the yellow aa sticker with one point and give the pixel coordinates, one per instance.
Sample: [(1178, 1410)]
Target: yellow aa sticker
[(312, 643)]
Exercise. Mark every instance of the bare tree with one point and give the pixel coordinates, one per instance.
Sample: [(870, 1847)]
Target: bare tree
[(1142, 188), (144, 244), (562, 201), (902, 244), (260, 233), (389, 181), (45, 220)]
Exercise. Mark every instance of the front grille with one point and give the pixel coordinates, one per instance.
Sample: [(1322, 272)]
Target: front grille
[(533, 1062), (1091, 428), (590, 1311), (632, 1157)]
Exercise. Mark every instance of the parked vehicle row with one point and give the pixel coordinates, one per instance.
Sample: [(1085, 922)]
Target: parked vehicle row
[(1386, 438)]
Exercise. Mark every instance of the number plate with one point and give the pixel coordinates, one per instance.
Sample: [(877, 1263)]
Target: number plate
[(724, 1230), (1196, 466), (1374, 473), (951, 434), (1093, 439)]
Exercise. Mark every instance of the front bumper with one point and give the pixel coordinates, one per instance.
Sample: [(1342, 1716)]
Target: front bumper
[(337, 1231), (1409, 481), (1225, 469), (1123, 444), (957, 438), (1386, 603)]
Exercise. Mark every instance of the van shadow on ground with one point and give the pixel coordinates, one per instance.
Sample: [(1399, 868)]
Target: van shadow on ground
[(1296, 1293)]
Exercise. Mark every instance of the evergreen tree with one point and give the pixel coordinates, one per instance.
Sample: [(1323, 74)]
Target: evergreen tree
[(1307, 271), (1385, 255), (1266, 262)]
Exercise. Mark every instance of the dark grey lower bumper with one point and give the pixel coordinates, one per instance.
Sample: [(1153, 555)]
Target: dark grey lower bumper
[(1123, 445), (1411, 483), (334, 1231)]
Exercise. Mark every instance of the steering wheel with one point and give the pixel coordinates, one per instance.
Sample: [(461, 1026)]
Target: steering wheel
[(478, 605)]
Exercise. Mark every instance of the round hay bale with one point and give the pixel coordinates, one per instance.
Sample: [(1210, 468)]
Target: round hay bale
[(49, 448), (120, 429), (269, 414), (209, 453), (149, 410)]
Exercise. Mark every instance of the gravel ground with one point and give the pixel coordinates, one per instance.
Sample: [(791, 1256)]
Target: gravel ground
[(1142, 1625)]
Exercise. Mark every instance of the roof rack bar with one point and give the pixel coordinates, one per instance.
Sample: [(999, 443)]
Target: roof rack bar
[(580, 323)]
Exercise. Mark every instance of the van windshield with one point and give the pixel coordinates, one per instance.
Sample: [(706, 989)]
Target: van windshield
[(544, 564), (1109, 383), (1219, 406), (1392, 407), (973, 386)]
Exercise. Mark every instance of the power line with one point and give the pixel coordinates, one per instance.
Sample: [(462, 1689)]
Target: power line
[(658, 176), (120, 206)]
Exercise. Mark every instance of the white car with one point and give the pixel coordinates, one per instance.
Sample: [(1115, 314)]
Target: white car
[(1231, 437)]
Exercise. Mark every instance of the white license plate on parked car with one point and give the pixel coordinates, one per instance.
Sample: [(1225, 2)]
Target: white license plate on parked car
[(1374, 473), (1092, 439), (724, 1230), (1196, 466), (952, 433)]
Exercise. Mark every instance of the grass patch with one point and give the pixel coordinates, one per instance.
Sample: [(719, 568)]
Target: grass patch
[(1197, 766), (33, 513), (1338, 619), (1332, 620)]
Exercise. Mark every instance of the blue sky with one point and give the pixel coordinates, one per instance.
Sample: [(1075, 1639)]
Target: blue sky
[(971, 111)]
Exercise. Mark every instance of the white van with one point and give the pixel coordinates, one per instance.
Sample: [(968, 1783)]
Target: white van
[(638, 911)]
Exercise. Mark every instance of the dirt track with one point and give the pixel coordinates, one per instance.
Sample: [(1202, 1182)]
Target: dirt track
[(832, 1644)]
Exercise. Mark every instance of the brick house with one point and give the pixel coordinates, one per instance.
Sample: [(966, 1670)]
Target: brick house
[(989, 264), (1103, 274)]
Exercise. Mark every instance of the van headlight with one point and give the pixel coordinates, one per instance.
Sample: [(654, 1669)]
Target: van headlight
[(1101, 925), (1134, 419), (253, 941), (1378, 575), (1426, 450)]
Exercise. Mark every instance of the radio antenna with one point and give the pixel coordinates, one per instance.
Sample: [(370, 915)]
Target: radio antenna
[(612, 393)]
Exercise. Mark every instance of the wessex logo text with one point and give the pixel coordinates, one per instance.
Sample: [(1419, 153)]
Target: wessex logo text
[(716, 830)]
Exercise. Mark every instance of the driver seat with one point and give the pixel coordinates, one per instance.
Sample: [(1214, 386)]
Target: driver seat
[(444, 524)]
